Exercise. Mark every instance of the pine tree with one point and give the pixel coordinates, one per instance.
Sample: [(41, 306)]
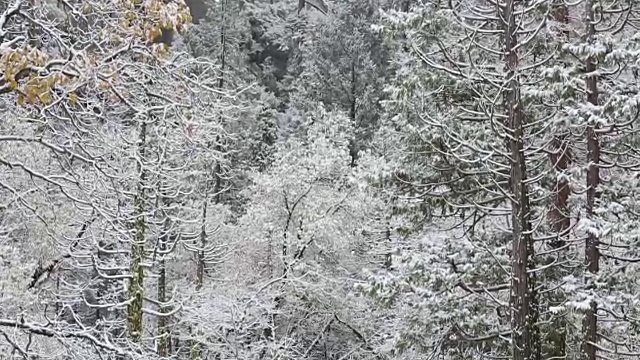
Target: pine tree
[(341, 62), (475, 95)]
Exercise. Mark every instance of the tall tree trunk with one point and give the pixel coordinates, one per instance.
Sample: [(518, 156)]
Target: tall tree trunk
[(136, 282), (164, 340), (560, 221), (556, 336), (592, 255), (203, 244), (217, 184), (196, 350), (559, 214), (353, 107), (525, 345)]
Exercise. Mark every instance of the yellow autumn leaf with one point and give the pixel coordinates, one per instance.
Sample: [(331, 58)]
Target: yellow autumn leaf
[(73, 97), (45, 97)]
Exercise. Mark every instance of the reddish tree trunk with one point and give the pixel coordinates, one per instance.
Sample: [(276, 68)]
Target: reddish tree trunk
[(559, 213), (523, 319), (592, 255)]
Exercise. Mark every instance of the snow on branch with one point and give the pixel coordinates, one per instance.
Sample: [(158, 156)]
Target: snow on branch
[(43, 330)]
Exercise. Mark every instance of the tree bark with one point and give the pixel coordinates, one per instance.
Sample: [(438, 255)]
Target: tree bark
[(525, 346), (203, 244), (164, 340), (556, 335), (353, 143), (559, 214), (592, 255), (136, 282)]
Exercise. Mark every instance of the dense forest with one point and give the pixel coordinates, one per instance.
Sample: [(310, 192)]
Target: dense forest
[(320, 179)]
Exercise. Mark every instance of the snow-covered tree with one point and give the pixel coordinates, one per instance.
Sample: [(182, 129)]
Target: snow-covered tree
[(112, 146), (319, 179), (305, 229), (342, 63)]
